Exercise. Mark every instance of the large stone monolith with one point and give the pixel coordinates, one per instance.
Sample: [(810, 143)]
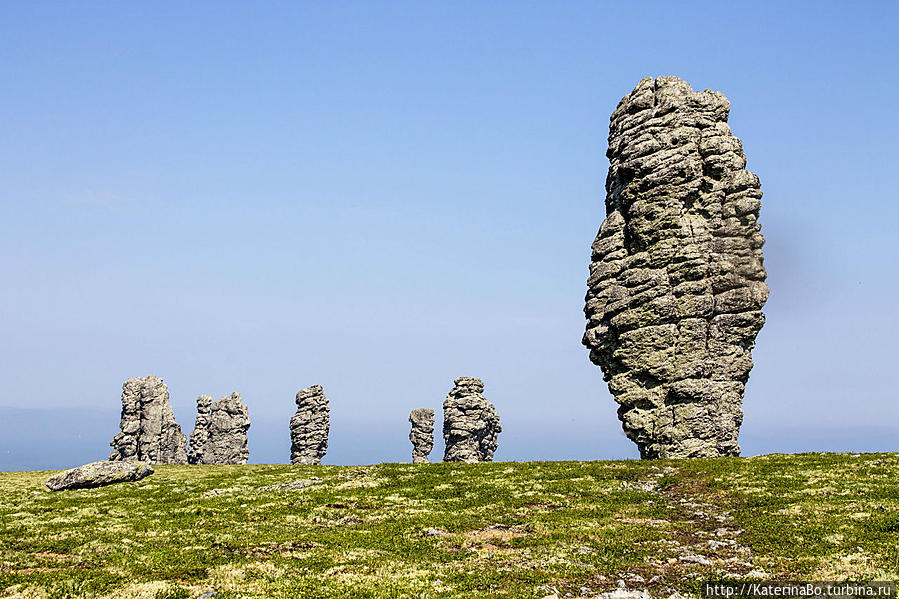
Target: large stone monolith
[(220, 432), (677, 282), (309, 427), (470, 423), (422, 434), (149, 431)]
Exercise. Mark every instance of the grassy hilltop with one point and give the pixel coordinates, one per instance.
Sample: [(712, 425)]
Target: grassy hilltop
[(453, 530)]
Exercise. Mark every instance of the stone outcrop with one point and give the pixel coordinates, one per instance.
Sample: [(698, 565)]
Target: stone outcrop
[(220, 432), (677, 281), (309, 427), (98, 474), (470, 423), (422, 434), (149, 431)]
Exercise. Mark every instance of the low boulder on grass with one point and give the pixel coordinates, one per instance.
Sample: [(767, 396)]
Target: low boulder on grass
[(99, 474)]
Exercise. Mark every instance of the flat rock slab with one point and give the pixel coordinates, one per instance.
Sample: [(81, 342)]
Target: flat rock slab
[(99, 474)]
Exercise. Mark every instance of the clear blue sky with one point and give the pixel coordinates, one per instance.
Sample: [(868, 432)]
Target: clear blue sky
[(381, 196)]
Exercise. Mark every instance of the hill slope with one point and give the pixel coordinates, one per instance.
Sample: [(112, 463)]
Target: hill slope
[(453, 530)]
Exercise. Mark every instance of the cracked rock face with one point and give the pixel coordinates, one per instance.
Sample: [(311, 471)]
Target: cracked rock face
[(149, 431), (470, 423), (220, 432), (309, 427), (677, 282), (422, 435)]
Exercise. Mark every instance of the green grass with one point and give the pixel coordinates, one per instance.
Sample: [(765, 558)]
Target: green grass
[(453, 530)]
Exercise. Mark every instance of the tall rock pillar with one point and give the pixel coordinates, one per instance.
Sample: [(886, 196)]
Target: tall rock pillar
[(422, 434), (470, 423), (677, 282), (220, 432), (309, 427), (149, 431)]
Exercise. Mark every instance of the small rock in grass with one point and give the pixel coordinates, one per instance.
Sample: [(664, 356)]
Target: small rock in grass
[(296, 484), (435, 532), (696, 559), (624, 593)]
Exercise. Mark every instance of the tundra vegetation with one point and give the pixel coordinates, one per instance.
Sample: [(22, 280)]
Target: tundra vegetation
[(452, 529)]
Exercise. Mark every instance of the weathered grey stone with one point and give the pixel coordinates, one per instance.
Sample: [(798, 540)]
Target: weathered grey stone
[(422, 434), (149, 431), (309, 427), (677, 281), (470, 423), (98, 474), (220, 432)]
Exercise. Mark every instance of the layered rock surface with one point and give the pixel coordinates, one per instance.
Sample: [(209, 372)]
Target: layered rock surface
[(149, 431), (309, 427), (470, 423), (99, 474), (677, 280), (422, 434), (220, 432)]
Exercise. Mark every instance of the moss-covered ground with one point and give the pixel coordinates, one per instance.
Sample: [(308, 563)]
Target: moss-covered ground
[(453, 530)]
